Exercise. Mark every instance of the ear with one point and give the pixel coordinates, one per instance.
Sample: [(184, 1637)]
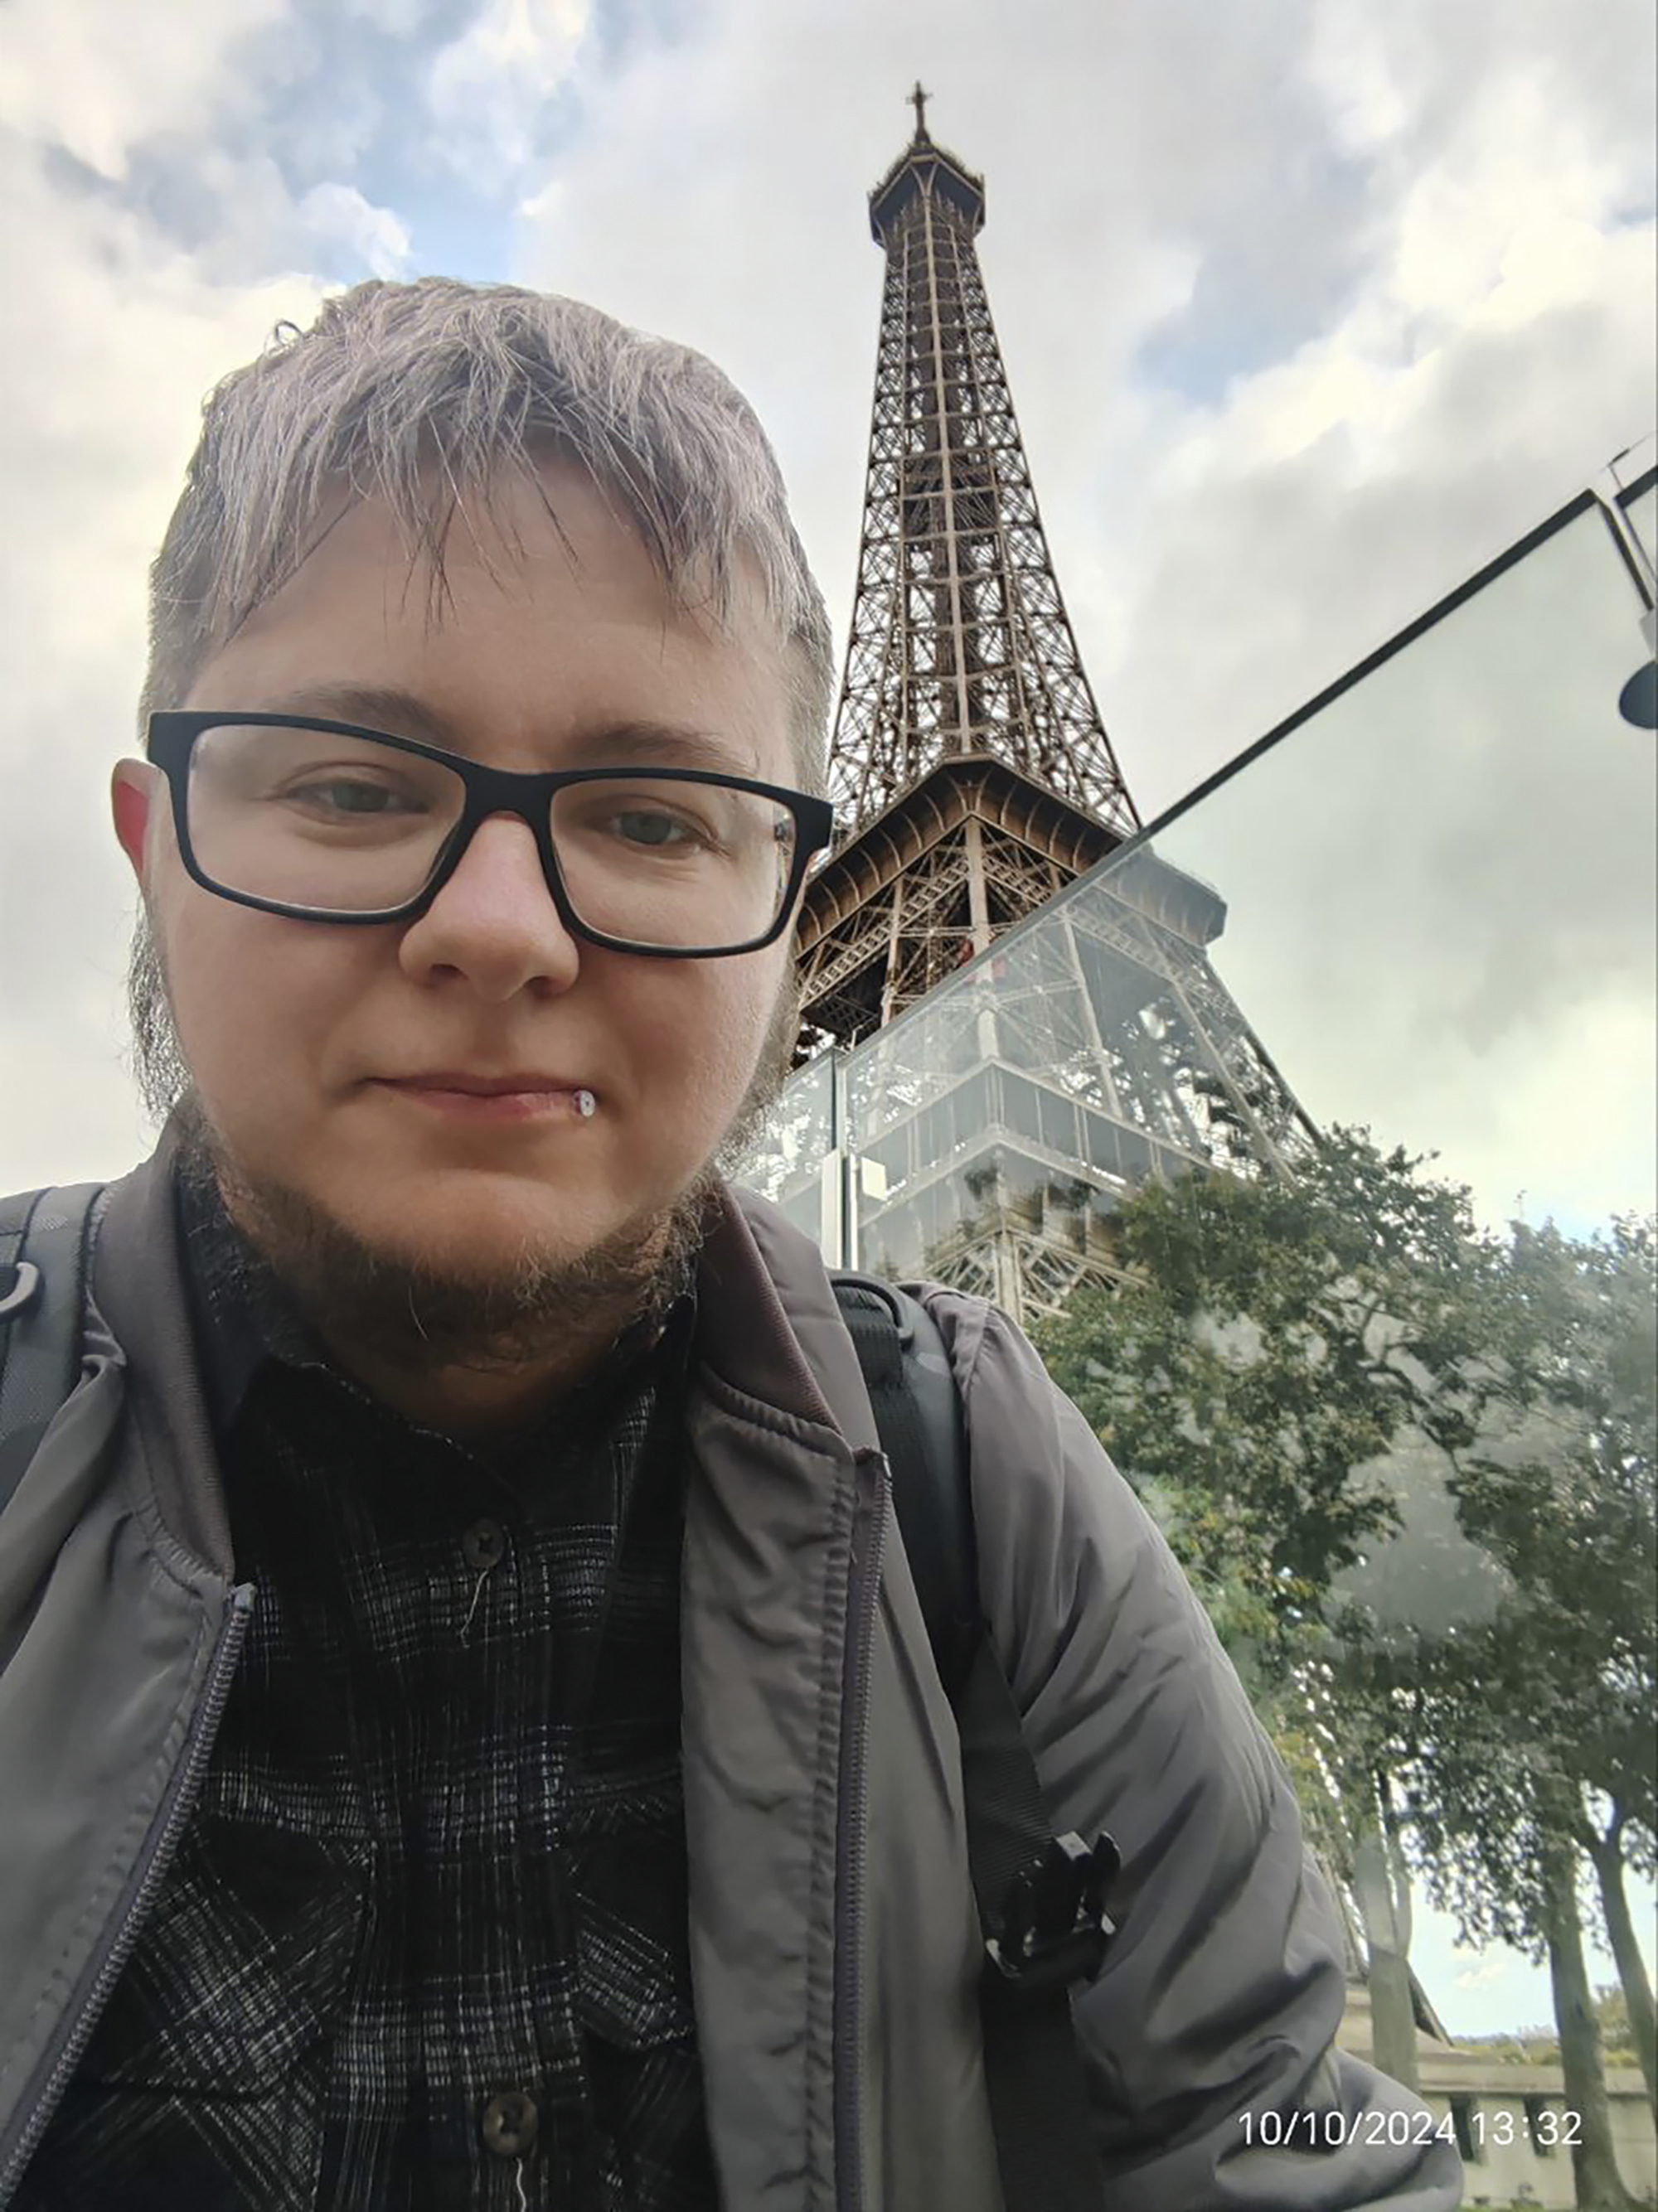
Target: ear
[(132, 793)]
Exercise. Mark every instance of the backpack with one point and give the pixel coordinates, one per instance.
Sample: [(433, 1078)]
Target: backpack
[(1041, 1897)]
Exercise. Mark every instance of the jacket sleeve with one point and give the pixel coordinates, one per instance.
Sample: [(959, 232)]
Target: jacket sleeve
[(1222, 1990)]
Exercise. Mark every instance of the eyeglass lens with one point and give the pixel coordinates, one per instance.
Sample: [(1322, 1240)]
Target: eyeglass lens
[(333, 824)]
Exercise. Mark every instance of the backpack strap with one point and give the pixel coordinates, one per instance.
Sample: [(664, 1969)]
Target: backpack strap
[(1041, 1897), (918, 1412), (46, 1242)]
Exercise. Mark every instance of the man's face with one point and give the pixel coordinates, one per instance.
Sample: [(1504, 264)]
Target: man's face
[(300, 1037)]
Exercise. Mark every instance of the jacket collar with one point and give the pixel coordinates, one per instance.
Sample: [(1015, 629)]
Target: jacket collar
[(138, 1287), (767, 1323)]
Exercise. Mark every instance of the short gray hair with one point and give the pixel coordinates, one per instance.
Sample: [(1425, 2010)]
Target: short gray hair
[(393, 380)]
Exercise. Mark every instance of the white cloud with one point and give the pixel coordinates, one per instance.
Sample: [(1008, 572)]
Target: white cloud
[(330, 139), (1482, 1977), (1276, 537), (399, 19), (124, 334), (1347, 59), (1520, 170), (488, 90), (336, 212), (96, 77)]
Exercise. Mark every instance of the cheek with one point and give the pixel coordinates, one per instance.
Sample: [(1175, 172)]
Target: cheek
[(248, 996), (702, 1034)]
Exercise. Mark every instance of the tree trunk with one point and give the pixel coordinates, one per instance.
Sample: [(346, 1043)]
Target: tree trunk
[(1383, 1893), (1608, 1859), (1595, 2169)]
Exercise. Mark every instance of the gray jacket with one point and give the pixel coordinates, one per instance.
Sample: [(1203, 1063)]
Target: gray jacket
[(835, 1942)]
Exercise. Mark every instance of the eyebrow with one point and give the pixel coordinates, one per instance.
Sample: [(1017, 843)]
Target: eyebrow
[(633, 741)]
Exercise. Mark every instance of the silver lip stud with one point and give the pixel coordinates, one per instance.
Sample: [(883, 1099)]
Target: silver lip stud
[(586, 1104)]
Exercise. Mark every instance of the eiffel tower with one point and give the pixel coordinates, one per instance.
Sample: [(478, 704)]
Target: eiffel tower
[(975, 781)]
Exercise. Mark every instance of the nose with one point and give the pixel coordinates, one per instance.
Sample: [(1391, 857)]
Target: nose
[(494, 921)]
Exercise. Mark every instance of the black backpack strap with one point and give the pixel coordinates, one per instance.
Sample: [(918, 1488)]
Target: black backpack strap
[(918, 1412), (45, 1238), (1041, 1897)]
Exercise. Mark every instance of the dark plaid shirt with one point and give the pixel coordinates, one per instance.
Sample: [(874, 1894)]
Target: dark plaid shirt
[(424, 1941)]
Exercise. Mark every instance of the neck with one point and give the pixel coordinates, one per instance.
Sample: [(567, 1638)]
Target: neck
[(484, 1398)]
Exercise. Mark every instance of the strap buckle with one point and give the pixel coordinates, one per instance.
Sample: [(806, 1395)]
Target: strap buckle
[(22, 1290), (1054, 1928)]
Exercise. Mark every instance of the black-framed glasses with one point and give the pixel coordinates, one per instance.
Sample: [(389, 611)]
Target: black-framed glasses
[(329, 822)]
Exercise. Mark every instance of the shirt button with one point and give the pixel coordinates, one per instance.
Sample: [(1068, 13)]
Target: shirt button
[(510, 2121), (485, 1545)]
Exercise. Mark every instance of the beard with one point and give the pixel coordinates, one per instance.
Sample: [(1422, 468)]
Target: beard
[(539, 1308)]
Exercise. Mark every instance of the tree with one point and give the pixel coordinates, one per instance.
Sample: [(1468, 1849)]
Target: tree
[(1288, 1366), (1492, 1801), (1540, 2045), (1274, 1345), (1538, 1758), (1274, 1340), (1565, 1501)]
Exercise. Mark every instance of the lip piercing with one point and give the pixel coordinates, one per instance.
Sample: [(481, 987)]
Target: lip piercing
[(586, 1104)]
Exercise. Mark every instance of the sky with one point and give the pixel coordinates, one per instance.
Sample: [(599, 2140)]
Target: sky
[(1309, 309)]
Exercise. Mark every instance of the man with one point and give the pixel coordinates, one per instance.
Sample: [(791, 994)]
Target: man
[(470, 1735)]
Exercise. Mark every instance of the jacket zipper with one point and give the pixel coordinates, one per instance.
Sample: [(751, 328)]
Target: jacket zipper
[(872, 1477), (182, 1794)]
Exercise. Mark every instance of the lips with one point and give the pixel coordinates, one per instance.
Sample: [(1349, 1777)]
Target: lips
[(473, 1085), (466, 1099)]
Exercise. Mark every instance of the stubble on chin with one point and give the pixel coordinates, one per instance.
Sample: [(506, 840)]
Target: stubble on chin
[(534, 1309)]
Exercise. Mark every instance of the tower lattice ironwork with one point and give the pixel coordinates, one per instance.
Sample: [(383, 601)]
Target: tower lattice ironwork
[(969, 759), (987, 1138)]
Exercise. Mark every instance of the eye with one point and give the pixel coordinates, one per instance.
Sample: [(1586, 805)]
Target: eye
[(356, 797), (650, 826)]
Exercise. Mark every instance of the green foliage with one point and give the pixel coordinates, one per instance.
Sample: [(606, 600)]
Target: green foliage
[(1287, 1359), (1540, 2045), (1273, 1343), (1545, 1719)]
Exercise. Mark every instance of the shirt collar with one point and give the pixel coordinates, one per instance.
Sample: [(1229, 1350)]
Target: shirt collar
[(244, 1322), (241, 1316)]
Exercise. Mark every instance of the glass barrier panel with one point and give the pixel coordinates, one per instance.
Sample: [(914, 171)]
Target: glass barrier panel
[(1441, 894), (785, 1158), (1427, 909)]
